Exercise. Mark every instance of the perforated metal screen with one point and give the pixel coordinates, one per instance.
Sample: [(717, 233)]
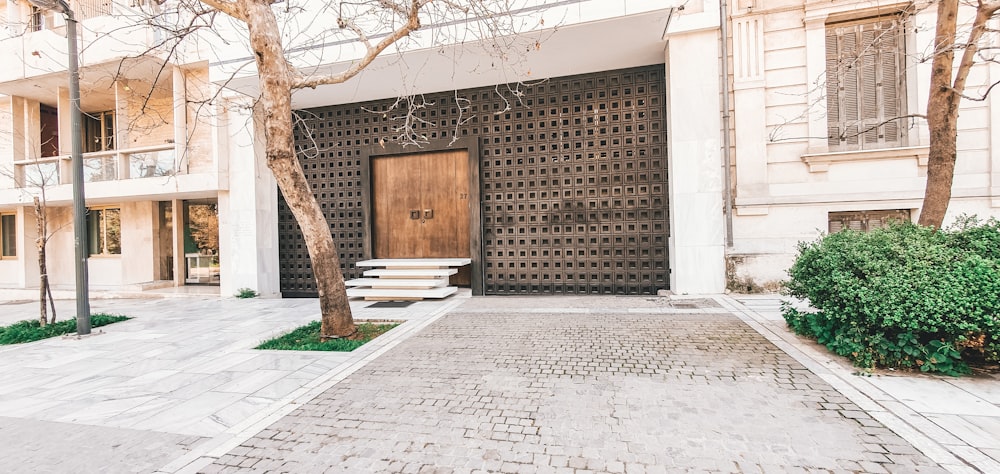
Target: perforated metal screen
[(574, 193)]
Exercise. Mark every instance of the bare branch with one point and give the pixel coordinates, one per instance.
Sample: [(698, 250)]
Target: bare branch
[(979, 98), (231, 8), (412, 24), (984, 12)]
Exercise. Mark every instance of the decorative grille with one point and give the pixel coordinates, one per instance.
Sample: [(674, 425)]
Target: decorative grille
[(574, 181)]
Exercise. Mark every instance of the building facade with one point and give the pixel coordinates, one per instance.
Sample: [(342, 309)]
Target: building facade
[(595, 161)]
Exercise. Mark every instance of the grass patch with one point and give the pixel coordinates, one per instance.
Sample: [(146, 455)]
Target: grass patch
[(306, 338), (29, 330)]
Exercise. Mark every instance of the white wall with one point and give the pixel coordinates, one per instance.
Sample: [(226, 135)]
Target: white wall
[(786, 178)]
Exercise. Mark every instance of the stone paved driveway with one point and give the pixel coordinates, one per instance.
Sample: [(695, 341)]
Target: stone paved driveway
[(516, 385)]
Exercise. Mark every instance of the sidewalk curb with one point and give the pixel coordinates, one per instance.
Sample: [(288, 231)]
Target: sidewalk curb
[(912, 426)]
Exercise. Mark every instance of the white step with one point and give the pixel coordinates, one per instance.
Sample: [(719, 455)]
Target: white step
[(398, 282), (415, 262), (400, 293), (410, 272)]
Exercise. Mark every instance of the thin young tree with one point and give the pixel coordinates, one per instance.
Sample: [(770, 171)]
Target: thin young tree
[(37, 178), (946, 93)]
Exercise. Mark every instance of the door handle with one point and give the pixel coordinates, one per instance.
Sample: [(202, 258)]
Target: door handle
[(428, 213), (414, 214)]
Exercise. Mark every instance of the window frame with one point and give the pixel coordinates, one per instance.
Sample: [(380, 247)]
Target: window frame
[(98, 130), (3, 234), (863, 94), (100, 213)]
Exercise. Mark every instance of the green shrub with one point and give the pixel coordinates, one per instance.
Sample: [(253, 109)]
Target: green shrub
[(30, 330), (246, 293), (903, 296)]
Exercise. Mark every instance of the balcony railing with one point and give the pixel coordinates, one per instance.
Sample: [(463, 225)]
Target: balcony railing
[(131, 163)]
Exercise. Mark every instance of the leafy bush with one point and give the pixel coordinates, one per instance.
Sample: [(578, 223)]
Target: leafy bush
[(903, 296), (31, 330), (246, 293)]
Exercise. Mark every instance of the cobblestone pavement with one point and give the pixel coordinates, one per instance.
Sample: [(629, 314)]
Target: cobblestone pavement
[(591, 387)]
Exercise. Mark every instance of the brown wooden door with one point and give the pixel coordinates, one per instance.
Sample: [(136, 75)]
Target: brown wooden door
[(420, 207)]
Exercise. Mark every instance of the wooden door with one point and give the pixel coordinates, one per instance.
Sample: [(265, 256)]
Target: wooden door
[(421, 206)]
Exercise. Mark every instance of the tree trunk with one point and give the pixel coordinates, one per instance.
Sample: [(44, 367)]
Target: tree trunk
[(43, 283), (276, 104), (52, 301), (942, 119)]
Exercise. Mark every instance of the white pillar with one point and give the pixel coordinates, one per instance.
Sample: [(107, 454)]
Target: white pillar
[(180, 120), (696, 182), (177, 216), (248, 217)]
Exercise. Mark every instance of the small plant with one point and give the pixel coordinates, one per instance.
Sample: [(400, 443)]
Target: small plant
[(904, 296), (246, 293), (29, 331), (307, 338)]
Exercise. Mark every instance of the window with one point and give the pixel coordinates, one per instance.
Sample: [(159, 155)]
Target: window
[(865, 220), (37, 20), (98, 132), (8, 236), (865, 93), (104, 231)]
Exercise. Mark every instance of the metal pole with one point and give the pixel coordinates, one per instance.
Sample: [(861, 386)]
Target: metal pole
[(79, 204), (726, 143)]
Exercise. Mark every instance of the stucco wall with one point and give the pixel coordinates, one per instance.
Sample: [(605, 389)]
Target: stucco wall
[(782, 196)]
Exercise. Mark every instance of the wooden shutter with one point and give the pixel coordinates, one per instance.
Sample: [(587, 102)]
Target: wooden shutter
[(865, 220), (864, 84)]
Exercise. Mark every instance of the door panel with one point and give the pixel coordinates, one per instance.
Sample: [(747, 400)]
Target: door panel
[(434, 188), (392, 176)]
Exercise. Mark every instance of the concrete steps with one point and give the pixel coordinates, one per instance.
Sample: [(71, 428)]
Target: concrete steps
[(398, 282), (405, 279), (401, 294)]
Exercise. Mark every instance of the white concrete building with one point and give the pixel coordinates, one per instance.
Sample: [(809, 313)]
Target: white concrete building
[(604, 175)]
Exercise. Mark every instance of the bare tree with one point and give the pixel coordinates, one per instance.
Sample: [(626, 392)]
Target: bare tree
[(283, 34), (946, 92)]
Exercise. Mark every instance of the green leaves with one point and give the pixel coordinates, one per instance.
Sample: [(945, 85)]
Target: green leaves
[(902, 296), (30, 330)]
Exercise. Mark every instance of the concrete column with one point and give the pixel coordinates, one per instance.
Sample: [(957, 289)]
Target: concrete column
[(140, 247), (248, 217), (697, 241), (16, 136), (121, 129), (27, 248), (180, 264), (180, 119)]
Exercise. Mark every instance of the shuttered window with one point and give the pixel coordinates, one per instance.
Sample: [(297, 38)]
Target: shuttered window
[(865, 220), (865, 83)]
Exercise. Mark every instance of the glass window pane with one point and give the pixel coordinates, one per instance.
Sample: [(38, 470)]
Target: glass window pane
[(8, 236), (113, 231)]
